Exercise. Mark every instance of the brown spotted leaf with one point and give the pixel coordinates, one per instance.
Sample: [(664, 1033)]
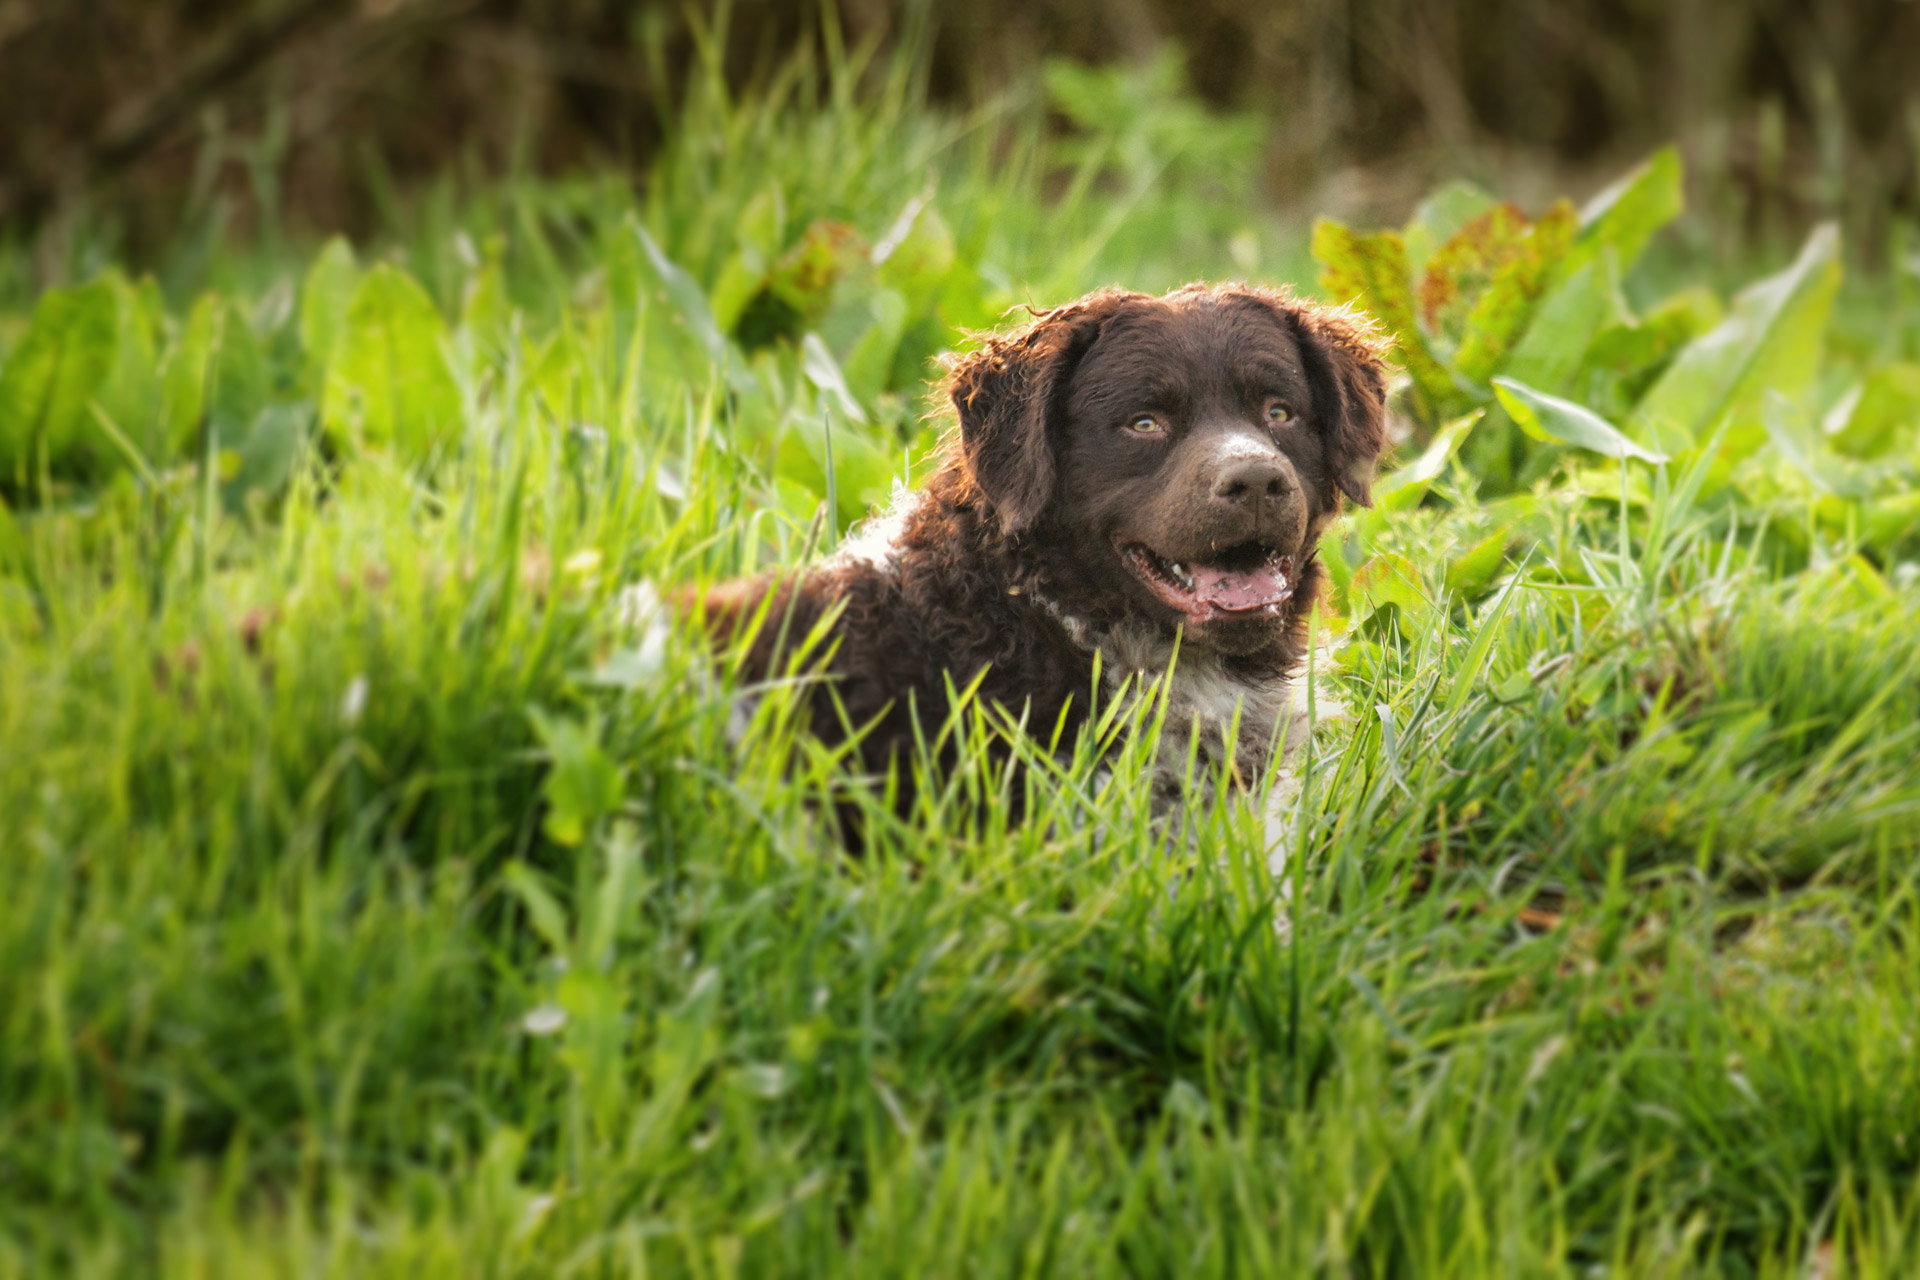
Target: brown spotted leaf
[(1370, 270), (1463, 268), (804, 276), (1501, 313)]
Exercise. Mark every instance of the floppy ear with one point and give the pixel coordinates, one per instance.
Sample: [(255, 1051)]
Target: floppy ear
[(1006, 394), (1346, 368)]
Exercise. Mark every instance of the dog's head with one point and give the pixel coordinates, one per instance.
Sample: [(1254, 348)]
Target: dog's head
[(1179, 455)]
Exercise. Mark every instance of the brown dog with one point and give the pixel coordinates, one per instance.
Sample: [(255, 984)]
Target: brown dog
[(1130, 471)]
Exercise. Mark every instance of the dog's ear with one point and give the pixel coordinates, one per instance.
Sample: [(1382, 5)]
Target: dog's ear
[(1006, 395), (1345, 356)]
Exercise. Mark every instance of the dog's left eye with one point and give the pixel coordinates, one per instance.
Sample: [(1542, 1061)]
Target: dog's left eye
[(1278, 413), (1145, 425)]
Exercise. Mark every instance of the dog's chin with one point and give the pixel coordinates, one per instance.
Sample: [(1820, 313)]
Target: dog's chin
[(1231, 601)]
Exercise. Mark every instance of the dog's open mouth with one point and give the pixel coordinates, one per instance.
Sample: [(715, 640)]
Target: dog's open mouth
[(1248, 579)]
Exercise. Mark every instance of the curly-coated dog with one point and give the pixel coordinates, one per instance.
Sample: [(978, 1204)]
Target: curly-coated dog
[(1129, 471)]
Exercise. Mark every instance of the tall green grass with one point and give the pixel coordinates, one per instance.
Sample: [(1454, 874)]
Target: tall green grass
[(381, 900)]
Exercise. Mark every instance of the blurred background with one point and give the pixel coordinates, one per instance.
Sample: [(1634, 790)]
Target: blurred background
[(136, 117)]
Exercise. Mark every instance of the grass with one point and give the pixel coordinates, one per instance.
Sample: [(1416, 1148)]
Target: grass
[(380, 903)]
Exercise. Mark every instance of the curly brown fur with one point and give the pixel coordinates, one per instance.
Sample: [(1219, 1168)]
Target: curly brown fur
[(1128, 471)]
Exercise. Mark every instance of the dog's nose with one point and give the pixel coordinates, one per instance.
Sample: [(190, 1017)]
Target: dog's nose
[(1249, 481)]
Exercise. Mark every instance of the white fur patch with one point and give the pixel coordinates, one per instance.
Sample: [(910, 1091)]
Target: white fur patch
[(875, 540), (1203, 695)]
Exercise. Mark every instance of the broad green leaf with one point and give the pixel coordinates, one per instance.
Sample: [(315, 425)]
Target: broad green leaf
[(564, 381), (1799, 442), (1559, 421), (1371, 272), (216, 375), (869, 364), (1629, 351), (1517, 685), (1891, 521), (1770, 341), (863, 472), (661, 306), (1550, 353), (743, 275), (264, 456), (388, 382), (84, 347), (183, 374), (583, 784), (1604, 483), (1882, 416), (920, 346), (324, 299), (675, 296), (824, 373), (544, 912), (1471, 572), (130, 396), (1406, 486), (916, 253), (761, 228), (1625, 216), (238, 379), (1333, 554), (65, 353), (758, 234), (851, 314), (1387, 579), (151, 309), (271, 311)]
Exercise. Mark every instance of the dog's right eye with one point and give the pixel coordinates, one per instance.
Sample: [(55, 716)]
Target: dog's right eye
[(1146, 425)]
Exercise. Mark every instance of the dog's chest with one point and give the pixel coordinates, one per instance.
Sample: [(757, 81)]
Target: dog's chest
[(1222, 707), (1229, 717)]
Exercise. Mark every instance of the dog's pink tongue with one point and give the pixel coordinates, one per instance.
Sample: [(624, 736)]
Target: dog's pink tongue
[(1234, 591)]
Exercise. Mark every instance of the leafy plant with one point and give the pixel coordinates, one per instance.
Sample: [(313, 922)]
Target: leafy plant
[(77, 391), (1472, 289), (1524, 323)]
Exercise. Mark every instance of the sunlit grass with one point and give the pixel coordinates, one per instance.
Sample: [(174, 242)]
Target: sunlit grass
[(380, 901)]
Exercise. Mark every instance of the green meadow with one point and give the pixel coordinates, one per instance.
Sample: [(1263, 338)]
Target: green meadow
[(385, 894)]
